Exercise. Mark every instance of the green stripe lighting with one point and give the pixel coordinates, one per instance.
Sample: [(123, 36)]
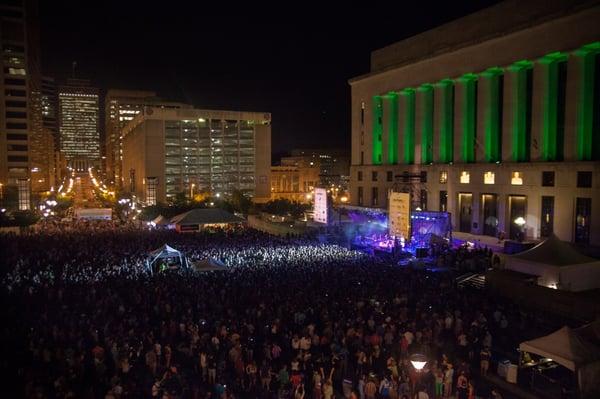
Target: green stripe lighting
[(446, 90), (551, 145), (521, 108), (426, 91), (493, 114), (408, 125), (588, 107), (469, 117), (392, 97)]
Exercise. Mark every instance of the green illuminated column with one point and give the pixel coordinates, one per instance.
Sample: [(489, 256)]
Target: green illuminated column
[(493, 78), (552, 106), (446, 121), (468, 117), (408, 124), (377, 130), (588, 107), (521, 80), (426, 91), (392, 127)]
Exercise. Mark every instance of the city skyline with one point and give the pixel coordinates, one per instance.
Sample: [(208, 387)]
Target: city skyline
[(294, 70)]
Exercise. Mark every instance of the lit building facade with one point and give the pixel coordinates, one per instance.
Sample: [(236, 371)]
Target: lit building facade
[(78, 116), (169, 151), (295, 179), (333, 164), (502, 131), (121, 107), (50, 109), (19, 89)]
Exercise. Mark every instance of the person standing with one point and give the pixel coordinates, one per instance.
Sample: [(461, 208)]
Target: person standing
[(370, 389), (462, 386), (484, 356), (448, 379)]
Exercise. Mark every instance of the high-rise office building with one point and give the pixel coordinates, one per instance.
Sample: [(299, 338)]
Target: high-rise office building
[(121, 107), (19, 90), (333, 164), (78, 117), (50, 109), (169, 151), (496, 122)]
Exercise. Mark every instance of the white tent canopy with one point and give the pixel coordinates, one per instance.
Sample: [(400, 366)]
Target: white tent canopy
[(565, 347), (557, 265), (570, 349), (208, 264), (165, 252), (160, 220)]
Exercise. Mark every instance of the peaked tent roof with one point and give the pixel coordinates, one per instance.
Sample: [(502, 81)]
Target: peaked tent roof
[(160, 220), (553, 251), (206, 216), (208, 264), (165, 250), (565, 347)]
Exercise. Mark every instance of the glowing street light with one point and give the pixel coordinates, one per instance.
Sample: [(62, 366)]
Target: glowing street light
[(418, 361), (520, 221)]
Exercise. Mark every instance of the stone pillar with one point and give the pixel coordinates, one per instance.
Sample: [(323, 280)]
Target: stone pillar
[(491, 103), (424, 113), (466, 117), (518, 112), (408, 125), (443, 142), (581, 142), (551, 135), (390, 128)]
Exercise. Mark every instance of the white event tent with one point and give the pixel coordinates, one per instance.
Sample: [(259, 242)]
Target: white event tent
[(558, 265)]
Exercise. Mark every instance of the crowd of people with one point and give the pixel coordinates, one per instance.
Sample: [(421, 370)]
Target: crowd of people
[(288, 318)]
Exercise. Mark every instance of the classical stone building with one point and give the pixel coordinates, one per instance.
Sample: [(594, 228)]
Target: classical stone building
[(494, 117)]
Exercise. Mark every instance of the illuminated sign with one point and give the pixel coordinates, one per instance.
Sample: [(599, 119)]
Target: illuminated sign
[(320, 208), (399, 214)]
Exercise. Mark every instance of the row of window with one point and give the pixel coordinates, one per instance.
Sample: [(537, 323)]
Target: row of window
[(584, 178)]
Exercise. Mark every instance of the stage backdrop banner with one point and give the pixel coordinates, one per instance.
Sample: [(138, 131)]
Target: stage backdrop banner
[(320, 210), (399, 214)]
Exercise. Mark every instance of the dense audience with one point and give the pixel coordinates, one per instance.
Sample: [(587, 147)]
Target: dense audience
[(288, 318)]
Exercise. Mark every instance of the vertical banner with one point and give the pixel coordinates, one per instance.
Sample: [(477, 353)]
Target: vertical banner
[(320, 210), (399, 214)]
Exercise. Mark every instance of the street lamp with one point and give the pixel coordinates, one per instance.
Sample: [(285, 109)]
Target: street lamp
[(520, 221), (418, 361), (192, 190)]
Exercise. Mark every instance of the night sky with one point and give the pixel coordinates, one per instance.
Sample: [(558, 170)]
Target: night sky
[(294, 61)]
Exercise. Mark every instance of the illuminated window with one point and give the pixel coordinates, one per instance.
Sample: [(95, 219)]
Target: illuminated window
[(443, 177), (465, 177), (16, 71), (151, 190), (24, 194), (517, 179), (489, 178)]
